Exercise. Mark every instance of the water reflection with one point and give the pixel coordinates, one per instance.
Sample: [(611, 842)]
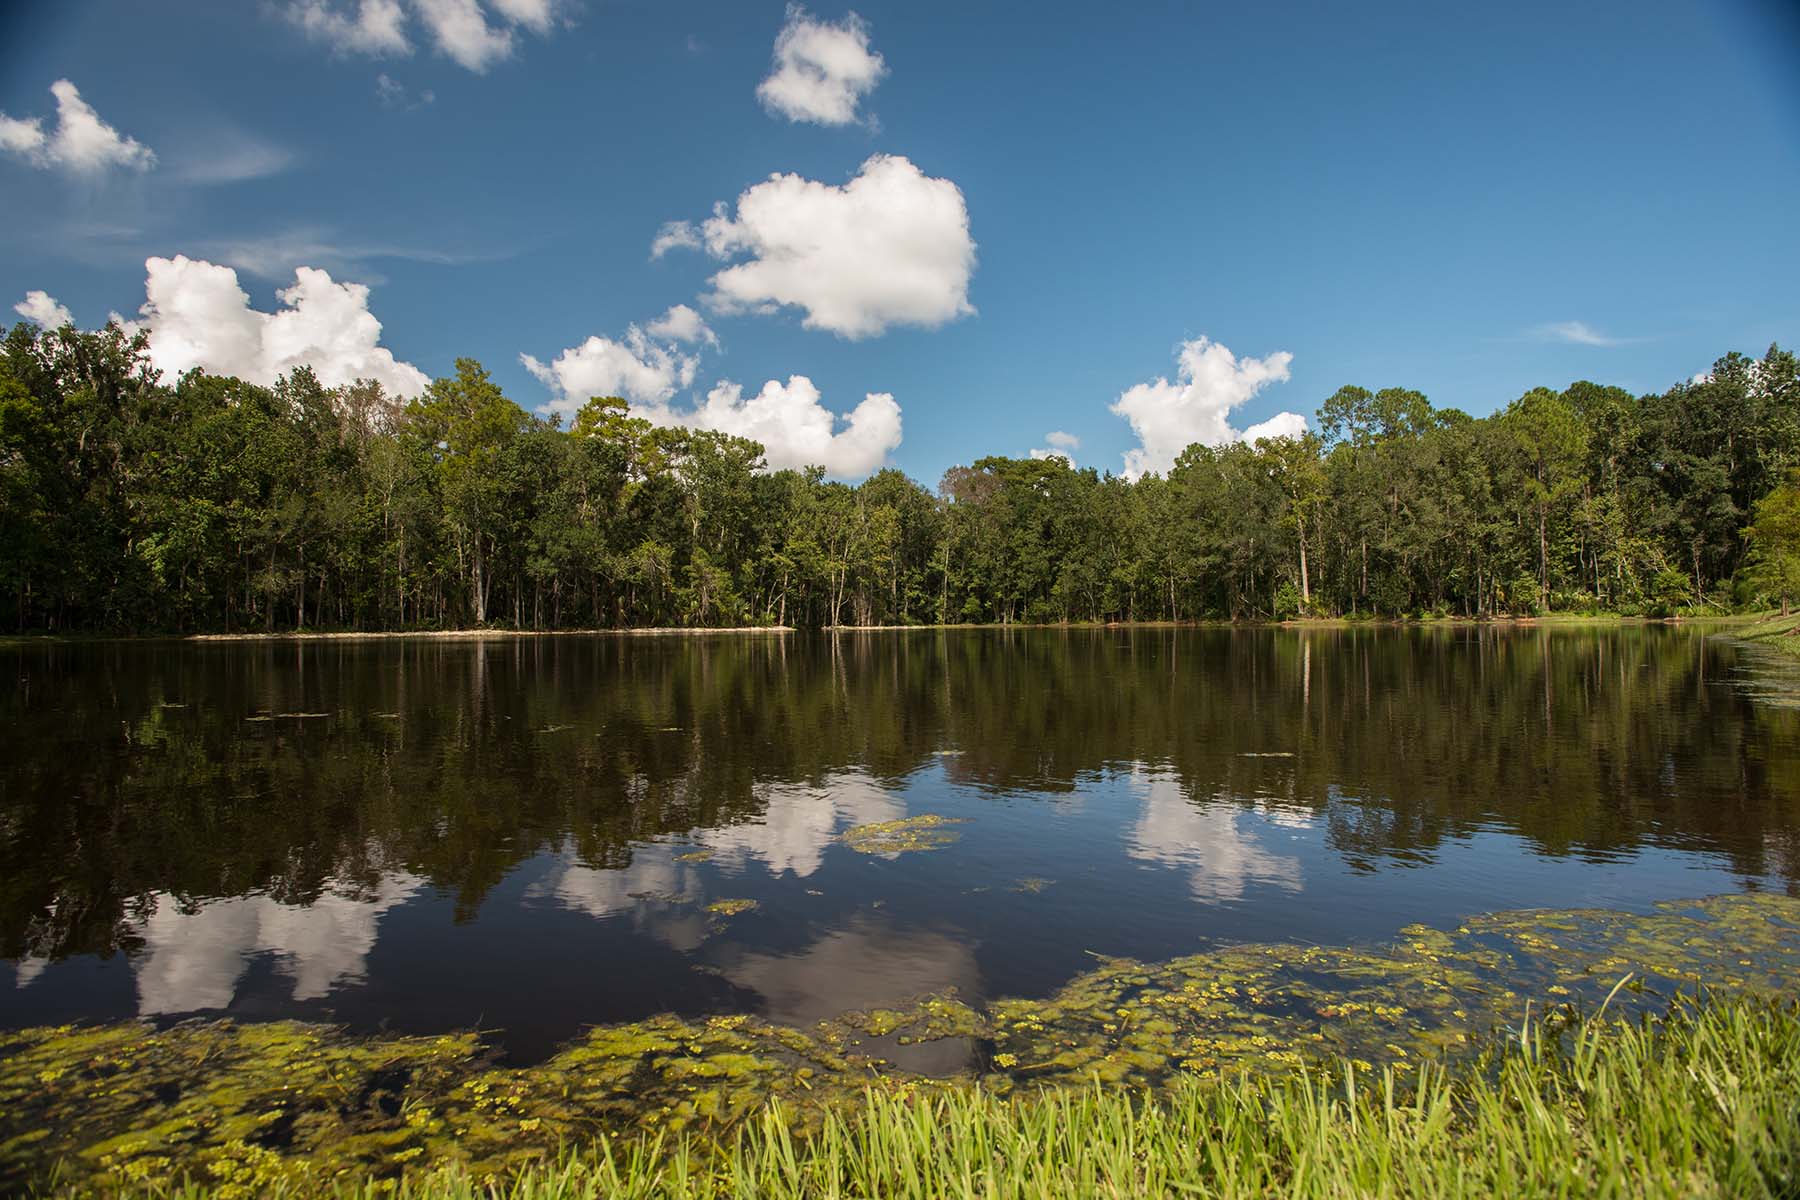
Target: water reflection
[(864, 965), (798, 822), (354, 828), (192, 958), (1218, 845)]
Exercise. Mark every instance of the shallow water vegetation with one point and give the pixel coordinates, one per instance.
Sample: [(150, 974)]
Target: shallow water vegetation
[(255, 1109), (1698, 1105), (923, 832), (732, 907)]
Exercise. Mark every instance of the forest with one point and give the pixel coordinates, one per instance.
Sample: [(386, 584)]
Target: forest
[(216, 505)]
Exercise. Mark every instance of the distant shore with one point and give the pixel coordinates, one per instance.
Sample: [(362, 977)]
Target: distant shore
[(1759, 628)]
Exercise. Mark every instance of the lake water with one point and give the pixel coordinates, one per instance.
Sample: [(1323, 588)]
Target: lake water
[(528, 835)]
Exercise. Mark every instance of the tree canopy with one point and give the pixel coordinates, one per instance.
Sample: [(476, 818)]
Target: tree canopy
[(217, 505)]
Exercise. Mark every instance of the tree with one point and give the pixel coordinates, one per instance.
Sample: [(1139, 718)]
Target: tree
[(1774, 541), (1553, 445), (467, 422)]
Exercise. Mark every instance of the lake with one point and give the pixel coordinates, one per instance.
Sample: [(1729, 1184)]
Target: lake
[(535, 835)]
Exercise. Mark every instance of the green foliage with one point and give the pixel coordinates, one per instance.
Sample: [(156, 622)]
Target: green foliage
[(217, 505), (1774, 567)]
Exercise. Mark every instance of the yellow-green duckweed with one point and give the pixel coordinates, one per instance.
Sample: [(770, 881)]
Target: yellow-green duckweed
[(253, 1108), (923, 832)]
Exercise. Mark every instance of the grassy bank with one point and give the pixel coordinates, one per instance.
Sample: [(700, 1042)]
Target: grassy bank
[(1776, 632), (1700, 1104)]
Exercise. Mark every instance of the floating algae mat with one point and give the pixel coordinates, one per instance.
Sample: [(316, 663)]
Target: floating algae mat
[(248, 1108), (924, 832)]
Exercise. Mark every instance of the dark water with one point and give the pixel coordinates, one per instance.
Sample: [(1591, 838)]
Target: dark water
[(424, 835)]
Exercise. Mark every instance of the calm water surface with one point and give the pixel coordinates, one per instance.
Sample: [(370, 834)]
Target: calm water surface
[(423, 835)]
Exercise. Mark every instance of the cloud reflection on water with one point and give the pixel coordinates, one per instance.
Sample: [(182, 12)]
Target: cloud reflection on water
[(1217, 843), (193, 959)]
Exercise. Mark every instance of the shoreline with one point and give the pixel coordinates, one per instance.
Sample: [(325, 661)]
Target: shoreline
[(491, 633)]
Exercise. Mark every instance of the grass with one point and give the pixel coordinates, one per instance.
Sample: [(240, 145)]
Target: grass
[(1775, 631), (1703, 1103)]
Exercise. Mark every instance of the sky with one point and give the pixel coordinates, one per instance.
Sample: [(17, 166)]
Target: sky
[(913, 234)]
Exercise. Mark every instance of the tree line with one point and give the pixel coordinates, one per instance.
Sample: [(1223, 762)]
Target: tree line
[(216, 504)]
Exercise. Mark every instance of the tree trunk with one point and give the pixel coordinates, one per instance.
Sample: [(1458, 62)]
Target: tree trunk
[(1543, 559), (1305, 586)]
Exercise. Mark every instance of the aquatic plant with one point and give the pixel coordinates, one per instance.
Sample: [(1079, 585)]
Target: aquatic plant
[(923, 832), (731, 907), (256, 1109)]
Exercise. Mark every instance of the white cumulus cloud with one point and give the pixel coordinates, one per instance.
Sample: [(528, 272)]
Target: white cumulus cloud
[(1058, 445), (1281, 425), (648, 367), (891, 247), (40, 308), (682, 324), (198, 316), (674, 235), (80, 143), (822, 69), (462, 30), (638, 366), (795, 429), (1210, 382)]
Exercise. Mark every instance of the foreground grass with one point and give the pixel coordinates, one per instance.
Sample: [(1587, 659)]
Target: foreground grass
[(1704, 1103)]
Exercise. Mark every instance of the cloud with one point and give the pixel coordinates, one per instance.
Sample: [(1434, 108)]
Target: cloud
[(232, 156), (459, 29), (675, 235), (1210, 382), (822, 69), (378, 28), (1281, 425), (535, 15), (40, 309), (394, 94), (81, 143), (648, 366), (638, 367), (682, 324), (1061, 445), (795, 429), (198, 316), (1577, 333), (891, 247), (276, 255)]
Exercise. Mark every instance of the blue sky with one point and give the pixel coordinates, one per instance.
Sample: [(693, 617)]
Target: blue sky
[(1468, 201)]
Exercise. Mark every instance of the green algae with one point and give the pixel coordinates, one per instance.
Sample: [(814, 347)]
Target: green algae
[(923, 832), (732, 907), (694, 856), (249, 1109)]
